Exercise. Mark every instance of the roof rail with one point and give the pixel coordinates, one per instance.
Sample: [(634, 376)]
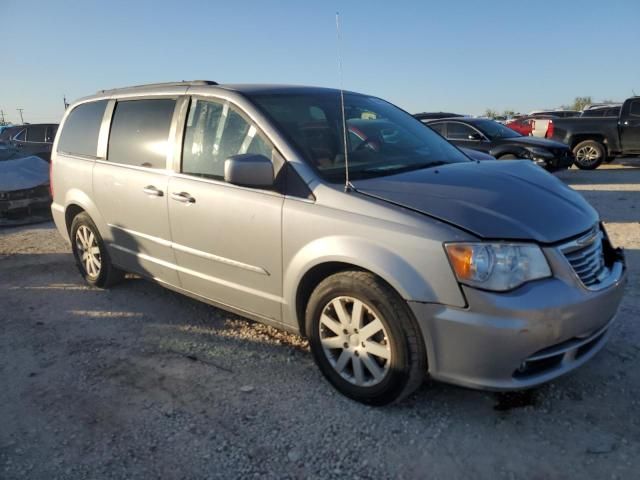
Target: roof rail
[(594, 106), (183, 83)]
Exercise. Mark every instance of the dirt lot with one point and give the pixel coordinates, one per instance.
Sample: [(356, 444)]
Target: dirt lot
[(139, 382)]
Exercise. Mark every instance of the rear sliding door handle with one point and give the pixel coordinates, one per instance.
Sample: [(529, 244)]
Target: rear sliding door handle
[(183, 197), (153, 191)]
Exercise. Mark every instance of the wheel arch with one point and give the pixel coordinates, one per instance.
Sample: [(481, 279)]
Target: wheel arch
[(71, 212), (502, 150), (77, 201), (577, 139), (307, 270)]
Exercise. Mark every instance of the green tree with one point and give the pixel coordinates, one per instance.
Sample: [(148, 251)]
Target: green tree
[(490, 113), (580, 102)]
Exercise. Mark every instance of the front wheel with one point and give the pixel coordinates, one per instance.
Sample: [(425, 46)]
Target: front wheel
[(90, 253), (364, 338), (589, 154)]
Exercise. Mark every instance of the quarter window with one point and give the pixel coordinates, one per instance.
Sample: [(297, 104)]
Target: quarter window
[(36, 134), (51, 133), (140, 132), (79, 135), (214, 132)]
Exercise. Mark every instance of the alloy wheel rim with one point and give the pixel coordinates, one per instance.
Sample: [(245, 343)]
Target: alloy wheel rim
[(587, 155), (355, 341), (88, 251)]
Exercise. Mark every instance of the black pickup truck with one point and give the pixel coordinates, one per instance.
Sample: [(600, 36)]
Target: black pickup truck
[(597, 139)]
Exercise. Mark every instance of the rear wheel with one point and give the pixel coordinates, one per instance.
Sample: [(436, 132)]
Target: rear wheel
[(364, 338), (589, 154), (92, 258)]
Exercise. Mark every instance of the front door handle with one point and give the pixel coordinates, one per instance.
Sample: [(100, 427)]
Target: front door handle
[(153, 191), (183, 197)]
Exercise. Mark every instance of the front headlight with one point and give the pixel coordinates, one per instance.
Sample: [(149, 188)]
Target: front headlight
[(497, 266), (540, 152)]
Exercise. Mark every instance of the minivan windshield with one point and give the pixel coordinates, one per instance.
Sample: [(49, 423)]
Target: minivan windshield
[(382, 139)]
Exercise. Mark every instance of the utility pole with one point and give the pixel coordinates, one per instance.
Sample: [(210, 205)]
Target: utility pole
[(20, 110), (2, 122)]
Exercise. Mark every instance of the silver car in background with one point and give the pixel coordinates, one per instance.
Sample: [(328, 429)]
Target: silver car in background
[(490, 275)]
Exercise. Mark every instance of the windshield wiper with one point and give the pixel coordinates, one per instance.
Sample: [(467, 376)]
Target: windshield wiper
[(403, 168)]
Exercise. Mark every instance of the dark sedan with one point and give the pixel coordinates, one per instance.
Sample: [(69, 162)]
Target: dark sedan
[(30, 139), (503, 143)]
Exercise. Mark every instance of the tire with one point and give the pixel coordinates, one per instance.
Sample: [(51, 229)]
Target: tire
[(508, 156), (339, 347), (95, 265), (589, 155)]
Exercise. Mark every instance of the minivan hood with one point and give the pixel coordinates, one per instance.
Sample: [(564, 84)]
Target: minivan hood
[(511, 200)]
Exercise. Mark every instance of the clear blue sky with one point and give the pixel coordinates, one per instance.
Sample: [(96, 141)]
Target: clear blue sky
[(461, 56)]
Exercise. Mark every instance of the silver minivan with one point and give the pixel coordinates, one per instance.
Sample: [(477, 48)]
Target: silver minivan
[(340, 217)]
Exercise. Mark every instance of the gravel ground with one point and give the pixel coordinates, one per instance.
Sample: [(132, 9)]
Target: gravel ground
[(139, 382)]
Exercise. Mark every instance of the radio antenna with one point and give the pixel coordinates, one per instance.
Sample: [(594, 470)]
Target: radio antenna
[(347, 184)]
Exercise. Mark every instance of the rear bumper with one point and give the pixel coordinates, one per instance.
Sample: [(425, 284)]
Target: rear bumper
[(518, 339), (58, 213)]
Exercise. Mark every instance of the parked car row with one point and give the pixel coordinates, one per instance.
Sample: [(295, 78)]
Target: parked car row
[(598, 134), (500, 142)]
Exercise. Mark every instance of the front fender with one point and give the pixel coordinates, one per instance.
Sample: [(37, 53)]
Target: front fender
[(519, 152), (399, 272), (361, 253)]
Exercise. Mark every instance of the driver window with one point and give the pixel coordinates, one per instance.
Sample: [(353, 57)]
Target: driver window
[(459, 131), (214, 132)]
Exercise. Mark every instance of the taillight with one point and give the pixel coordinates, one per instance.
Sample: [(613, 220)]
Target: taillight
[(550, 127), (51, 177)]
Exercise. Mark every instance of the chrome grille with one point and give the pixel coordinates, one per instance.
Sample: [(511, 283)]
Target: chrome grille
[(586, 257)]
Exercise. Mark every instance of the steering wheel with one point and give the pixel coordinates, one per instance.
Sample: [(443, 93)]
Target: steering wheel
[(369, 143)]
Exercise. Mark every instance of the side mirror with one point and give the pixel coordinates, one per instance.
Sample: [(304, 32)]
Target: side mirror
[(249, 170), (476, 137)]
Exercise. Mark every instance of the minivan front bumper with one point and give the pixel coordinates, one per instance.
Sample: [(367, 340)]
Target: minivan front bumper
[(519, 339)]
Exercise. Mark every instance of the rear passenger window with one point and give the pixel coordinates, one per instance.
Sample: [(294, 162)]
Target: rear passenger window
[(36, 134), (140, 132), (438, 127), (79, 135), (459, 131), (214, 132)]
